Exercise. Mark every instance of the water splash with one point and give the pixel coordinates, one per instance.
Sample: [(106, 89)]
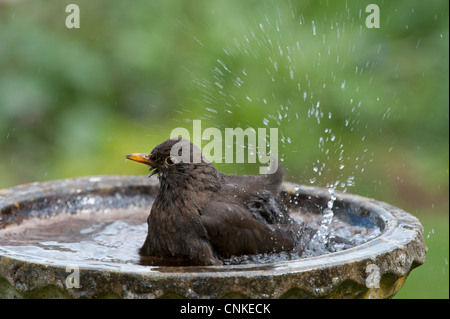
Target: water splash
[(319, 244), (293, 82)]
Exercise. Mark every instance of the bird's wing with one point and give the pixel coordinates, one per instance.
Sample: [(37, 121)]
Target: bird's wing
[(268, 208), (232, 230)]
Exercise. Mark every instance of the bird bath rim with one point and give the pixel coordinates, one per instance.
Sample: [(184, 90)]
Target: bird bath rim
[(396, 251)]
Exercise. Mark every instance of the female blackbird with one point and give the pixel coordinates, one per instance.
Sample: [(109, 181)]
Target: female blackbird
[(201, 215)]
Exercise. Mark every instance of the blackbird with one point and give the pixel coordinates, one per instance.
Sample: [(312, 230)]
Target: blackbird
[(202, 216)]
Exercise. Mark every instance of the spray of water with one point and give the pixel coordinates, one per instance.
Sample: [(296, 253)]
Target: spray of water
[(294, 71)]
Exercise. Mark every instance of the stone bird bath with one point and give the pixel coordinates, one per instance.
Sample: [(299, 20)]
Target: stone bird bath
[(31, 266)]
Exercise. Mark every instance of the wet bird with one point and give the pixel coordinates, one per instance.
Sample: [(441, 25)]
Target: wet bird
[(202, 216)]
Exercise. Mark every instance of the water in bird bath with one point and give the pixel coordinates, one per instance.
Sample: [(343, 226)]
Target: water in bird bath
[(114, 236)]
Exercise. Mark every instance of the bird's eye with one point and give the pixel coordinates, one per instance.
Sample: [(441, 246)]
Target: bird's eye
[(171, 160)]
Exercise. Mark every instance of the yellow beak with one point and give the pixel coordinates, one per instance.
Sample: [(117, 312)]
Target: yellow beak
[(141, 158)]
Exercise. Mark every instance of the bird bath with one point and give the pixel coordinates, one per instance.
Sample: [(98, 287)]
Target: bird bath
[(43, 256)]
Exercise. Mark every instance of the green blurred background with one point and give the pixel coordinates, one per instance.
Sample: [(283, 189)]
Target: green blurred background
[(363, 109)]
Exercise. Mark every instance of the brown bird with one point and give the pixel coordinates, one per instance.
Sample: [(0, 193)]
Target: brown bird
[(202, 216)]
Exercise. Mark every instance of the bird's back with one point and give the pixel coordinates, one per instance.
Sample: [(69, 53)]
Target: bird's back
[(259, 194)]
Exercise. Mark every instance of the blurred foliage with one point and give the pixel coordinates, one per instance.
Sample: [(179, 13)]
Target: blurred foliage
[(431, 279), (363, 109)]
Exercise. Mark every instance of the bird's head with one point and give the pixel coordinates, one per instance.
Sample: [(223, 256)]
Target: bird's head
[(175, 157)]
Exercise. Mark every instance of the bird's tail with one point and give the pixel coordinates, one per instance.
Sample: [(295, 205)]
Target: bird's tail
[(273, 181)]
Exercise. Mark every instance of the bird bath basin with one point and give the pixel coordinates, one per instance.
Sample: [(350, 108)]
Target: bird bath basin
[(47, 232)]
